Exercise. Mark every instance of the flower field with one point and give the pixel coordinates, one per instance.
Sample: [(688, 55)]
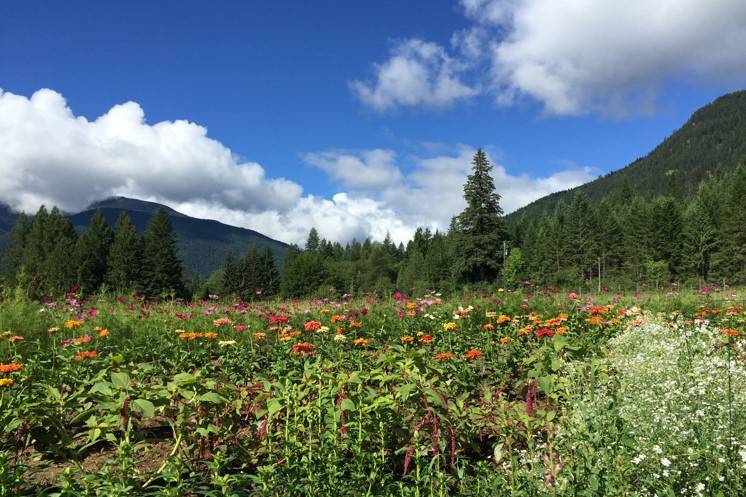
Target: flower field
[(487, 394)]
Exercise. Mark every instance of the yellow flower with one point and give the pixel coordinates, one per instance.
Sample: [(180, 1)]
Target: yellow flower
[(71, 323), (503, 319), (450, 326), (5, 382), (103, 333), (504, 341), (411, 305), (223, 343)]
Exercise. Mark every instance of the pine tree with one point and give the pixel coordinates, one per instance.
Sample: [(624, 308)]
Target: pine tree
[(270, 277), (700, 239), (124, 263), (479, 228), (312, 243), (34, 254), (13, 259), (163, 271), (248, 275), (230, 275), (60, 264), (92, 253)]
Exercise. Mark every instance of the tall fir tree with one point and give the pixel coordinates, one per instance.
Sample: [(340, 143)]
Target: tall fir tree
[(479, 228), (92, 253), (312, 242), (270, 277), (124, 264), (163, 271), (12, 262)]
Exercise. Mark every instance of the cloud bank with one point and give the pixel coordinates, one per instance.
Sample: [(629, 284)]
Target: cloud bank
[(573, 56), (50, 156)]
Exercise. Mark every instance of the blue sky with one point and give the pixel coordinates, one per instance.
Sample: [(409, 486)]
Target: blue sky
[(405, 90)]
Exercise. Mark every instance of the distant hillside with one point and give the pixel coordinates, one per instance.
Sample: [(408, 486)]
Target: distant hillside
[(715, 136), (202, 243)]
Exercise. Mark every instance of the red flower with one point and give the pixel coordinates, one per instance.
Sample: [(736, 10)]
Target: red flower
[(303, 349), (544, 332)]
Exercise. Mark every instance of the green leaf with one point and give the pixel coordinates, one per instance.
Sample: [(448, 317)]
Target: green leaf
[(348, 405), (211, 397), (560, 342), (182, 379), (103, 387), (120, 380), (273, 405), (556, 364), (144, 407)]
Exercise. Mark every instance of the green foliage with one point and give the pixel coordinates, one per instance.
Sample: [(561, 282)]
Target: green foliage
[(162, 271), (124, 271), (478, 231), (92, 252)]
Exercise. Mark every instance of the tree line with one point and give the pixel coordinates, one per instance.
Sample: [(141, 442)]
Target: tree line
[(47, 257), (626, 241)]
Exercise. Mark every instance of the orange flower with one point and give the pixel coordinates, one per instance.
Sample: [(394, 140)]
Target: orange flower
[(15, 338), (407, 339), (474, 354), (360, 342), (561, 330), (312, 326), (259, 336), (72, 323), (426, 339), (411, 305), (222, 322), (488, 327), (103, 333), (302, 349), (10, 368), (503, 319), (337, 318), (444, 356), (729, 332), (89, 354), (355, 325), (210, 335), (595, 320)]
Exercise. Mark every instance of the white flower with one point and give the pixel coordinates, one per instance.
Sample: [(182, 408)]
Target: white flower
[(665, 462), (340, 338), (657, 449), (639, 459)]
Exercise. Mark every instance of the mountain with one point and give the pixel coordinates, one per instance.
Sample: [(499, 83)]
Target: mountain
[(202, 243), (713, 137)]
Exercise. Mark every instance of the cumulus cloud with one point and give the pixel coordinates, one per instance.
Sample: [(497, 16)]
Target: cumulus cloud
[(50, 156), (431, 193), (579, 56), (369, 169), (417, 73)]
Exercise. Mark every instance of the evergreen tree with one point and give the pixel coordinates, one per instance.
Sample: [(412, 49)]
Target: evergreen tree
[(60, 264), (34, 254), (270, 277), (249, 280), (13, 259), (479, 228), (312, 243), (230, 275), (700, 240), (92, 252), (163, 271), (125, 260)]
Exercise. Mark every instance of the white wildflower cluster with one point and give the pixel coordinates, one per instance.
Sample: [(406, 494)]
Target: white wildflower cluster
[(681, 396)]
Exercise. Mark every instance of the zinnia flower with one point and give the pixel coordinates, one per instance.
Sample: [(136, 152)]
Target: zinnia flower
[(450, 326), (444, 356), (5, 382), (360, 342), (302, 349), (474, 354), (89, 354), (10, 368), (312, 326)]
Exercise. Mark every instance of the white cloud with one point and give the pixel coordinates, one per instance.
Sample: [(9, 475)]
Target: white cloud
[(432, 192), (370, 169), (417, 73), (579, 56), (48, 155)]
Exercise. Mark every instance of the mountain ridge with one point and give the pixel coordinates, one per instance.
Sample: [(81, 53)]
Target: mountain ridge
[(202, 244), (713, 137)]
